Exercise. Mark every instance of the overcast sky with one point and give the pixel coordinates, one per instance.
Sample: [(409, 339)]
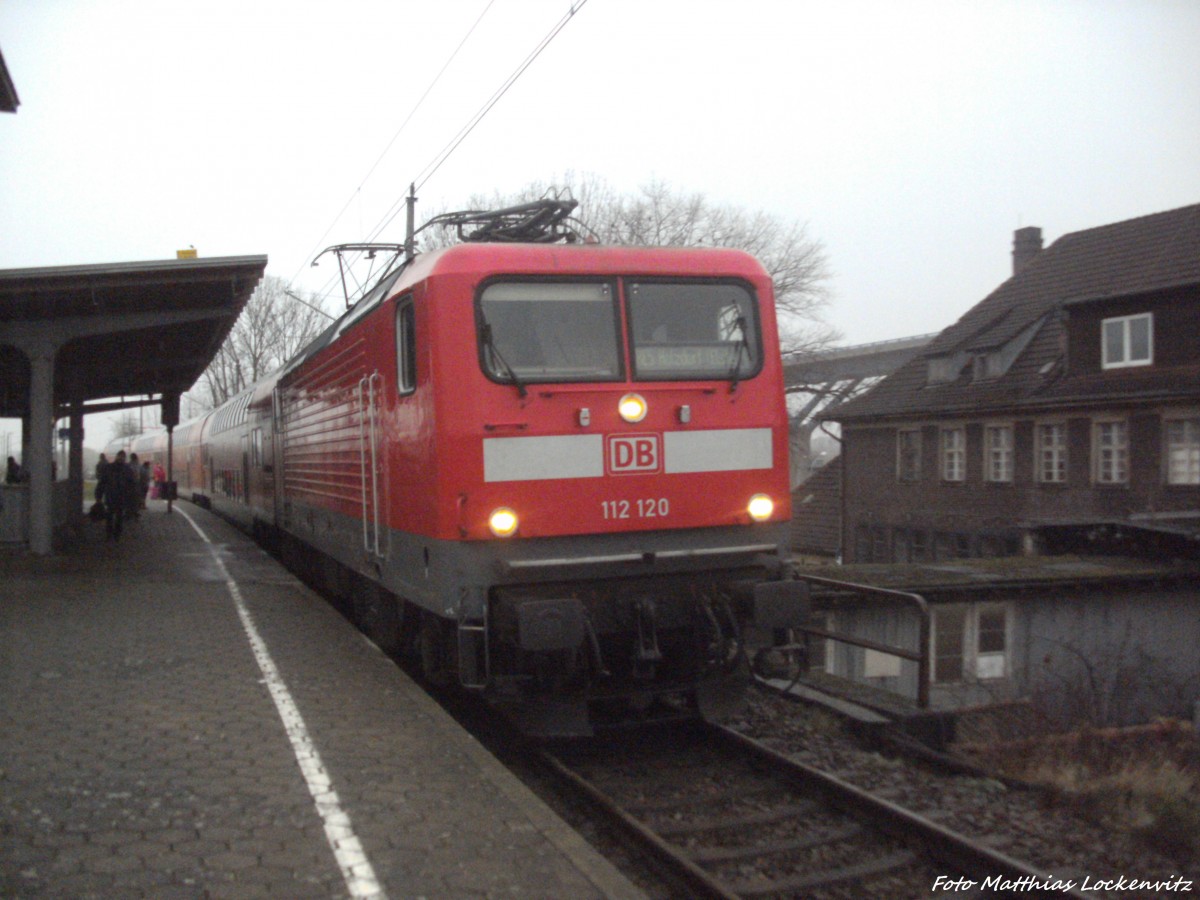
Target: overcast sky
[(911, 137)]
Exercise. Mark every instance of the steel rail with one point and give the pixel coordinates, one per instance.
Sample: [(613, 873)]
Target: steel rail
[(685, 866), (699, 883), (921, 837), (956, 850)]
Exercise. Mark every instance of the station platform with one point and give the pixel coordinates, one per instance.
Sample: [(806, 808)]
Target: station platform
[(181, 717)]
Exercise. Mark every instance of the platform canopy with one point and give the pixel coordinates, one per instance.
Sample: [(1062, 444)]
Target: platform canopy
[(119, 329), (123, 334)]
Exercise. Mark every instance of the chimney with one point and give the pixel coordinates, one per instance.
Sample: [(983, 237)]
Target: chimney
[(1027, 243)]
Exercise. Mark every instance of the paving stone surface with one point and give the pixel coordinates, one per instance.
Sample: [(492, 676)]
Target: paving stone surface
[(141, 753)]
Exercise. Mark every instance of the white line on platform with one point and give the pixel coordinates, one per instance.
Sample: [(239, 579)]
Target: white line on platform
[(357, 870)]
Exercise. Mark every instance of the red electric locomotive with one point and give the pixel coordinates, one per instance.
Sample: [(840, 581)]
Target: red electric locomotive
[(555, 473)]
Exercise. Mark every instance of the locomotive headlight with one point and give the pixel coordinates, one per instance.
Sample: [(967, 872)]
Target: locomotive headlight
[(503, 522), (632, 408), (760, 507)]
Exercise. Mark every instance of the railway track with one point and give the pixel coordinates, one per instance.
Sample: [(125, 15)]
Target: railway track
[(728, 817)]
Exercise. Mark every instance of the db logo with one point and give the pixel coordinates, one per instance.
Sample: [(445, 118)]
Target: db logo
[(633, 454)]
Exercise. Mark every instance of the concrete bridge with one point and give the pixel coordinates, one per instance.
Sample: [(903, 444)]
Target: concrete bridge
[(832, 376)]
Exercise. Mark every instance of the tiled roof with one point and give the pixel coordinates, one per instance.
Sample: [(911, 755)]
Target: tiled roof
[(1128, 258), (816, 511)]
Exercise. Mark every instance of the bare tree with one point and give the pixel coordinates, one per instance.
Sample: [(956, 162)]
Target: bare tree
[(128, 424), (272, 328), (659, 215), (1114, 680)]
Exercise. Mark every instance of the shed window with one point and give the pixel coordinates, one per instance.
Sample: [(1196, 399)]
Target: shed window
[(990, 643), (970, 643), (949, 634), (1128, 341)]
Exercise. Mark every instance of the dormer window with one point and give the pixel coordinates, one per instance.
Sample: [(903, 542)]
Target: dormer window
[(1128, 341), (988, 365), (945, 369)]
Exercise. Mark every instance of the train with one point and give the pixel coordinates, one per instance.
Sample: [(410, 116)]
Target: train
[(555, 474)]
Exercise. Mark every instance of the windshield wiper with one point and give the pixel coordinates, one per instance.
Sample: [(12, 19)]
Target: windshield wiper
[(490, 344), (743, 347)]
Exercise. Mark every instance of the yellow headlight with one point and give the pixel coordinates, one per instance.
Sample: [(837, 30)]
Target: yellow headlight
[(760, 507), (632, 408), (503, 522)]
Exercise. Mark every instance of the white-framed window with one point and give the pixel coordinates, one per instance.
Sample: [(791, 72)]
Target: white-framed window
[(822, 655), (1183, 450), (970, 642), (908, 454), (998, 453), (1111, 452), (1127, 341), (1051, 449), (954, 454)]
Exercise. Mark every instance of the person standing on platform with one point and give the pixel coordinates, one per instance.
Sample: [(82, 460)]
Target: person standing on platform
[(101, 467), (119, 489), (143, 483), (135, 497), (160, 478)]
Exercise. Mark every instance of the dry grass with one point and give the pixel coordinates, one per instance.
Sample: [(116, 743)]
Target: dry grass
[(1153, 798), (1144, 781)]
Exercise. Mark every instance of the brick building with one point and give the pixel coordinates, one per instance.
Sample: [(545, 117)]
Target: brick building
[(1059, 415), (1062, 409)]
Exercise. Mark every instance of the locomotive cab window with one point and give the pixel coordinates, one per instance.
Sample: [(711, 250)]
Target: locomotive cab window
[(548, 331), (692, 331), (406, 348)]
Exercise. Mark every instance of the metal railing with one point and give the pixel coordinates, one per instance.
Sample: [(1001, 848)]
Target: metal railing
[(919, 656)]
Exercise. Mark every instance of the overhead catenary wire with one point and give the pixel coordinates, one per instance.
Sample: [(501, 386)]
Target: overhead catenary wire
[(427, 173), (304, 302), (440, 158), (436, 163), (416, 106)]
